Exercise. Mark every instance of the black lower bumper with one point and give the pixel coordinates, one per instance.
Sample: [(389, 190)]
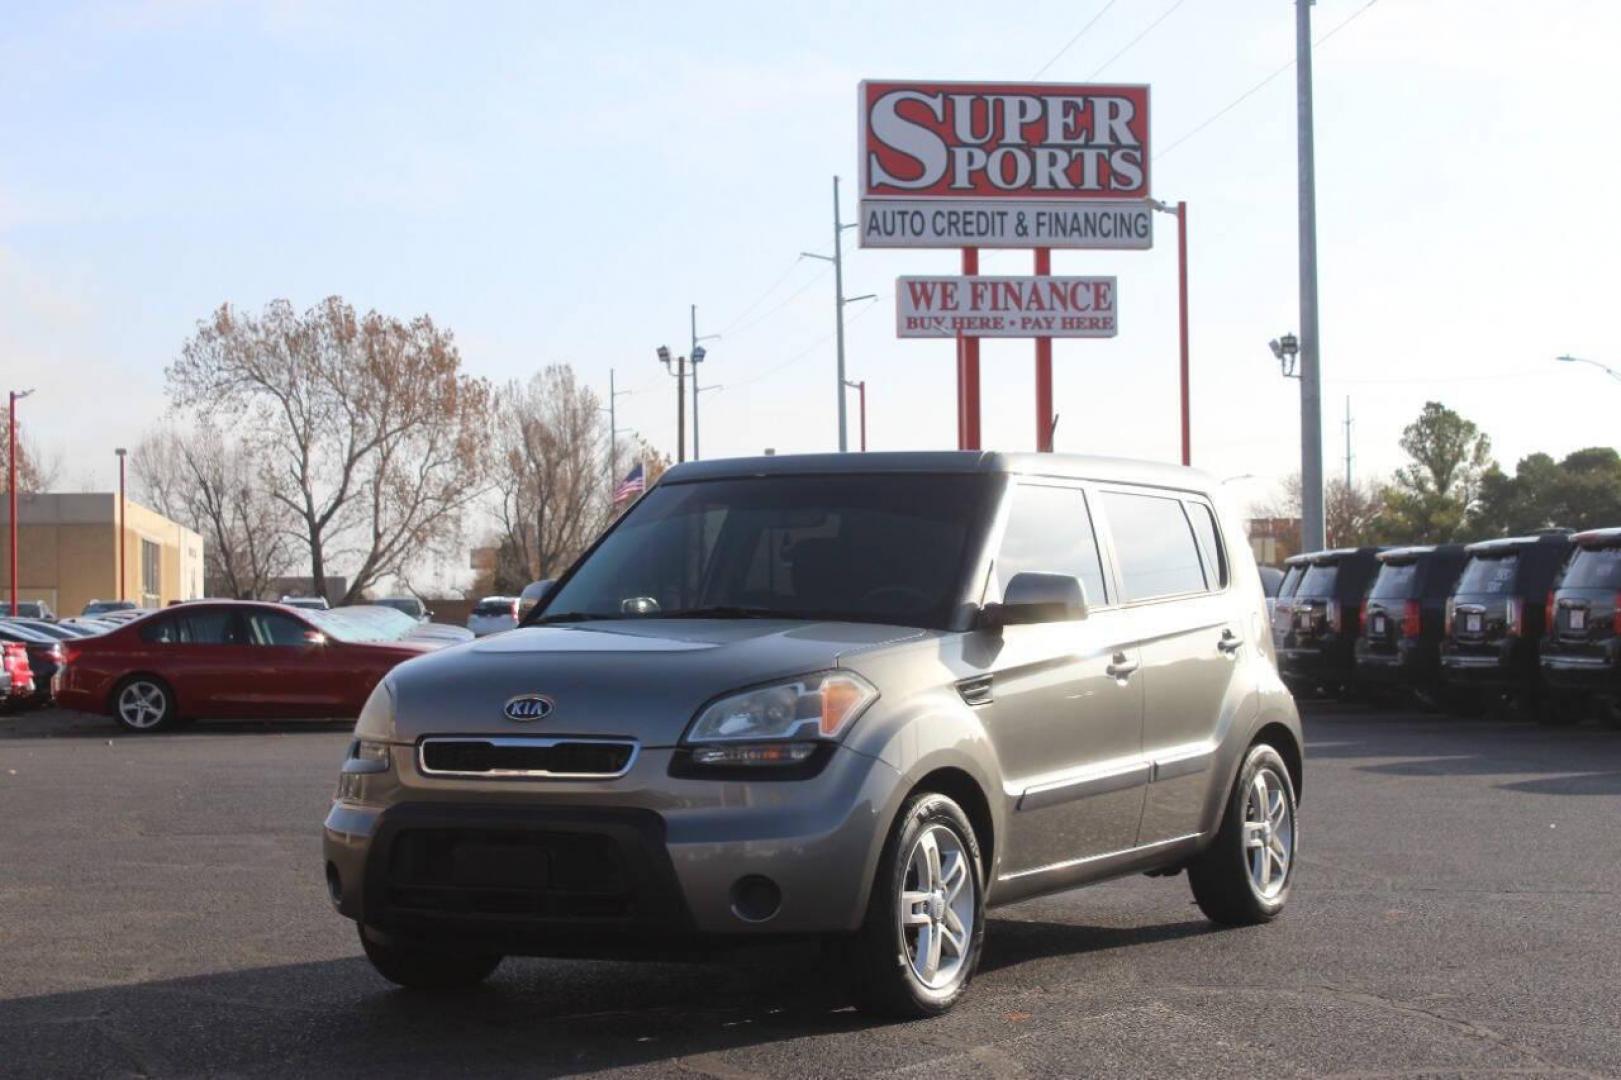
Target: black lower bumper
[(526, 881), (1602, 677)]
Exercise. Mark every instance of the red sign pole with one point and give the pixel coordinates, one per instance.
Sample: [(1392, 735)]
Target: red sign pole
[(1044, 369), (970, 367), (1182, 302)]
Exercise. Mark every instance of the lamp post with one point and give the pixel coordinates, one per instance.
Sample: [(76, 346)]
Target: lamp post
[(680, 399), (860, 387), (1286, 348), (1610, 371), (16, 396), (1180, 210), (121, 533)]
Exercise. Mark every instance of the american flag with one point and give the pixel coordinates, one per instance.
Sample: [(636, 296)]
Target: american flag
[(634, 483)]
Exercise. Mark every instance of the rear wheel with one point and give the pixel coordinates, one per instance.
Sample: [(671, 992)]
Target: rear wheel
[(1244, 876), (416, 968), (144, 703), (925, 924)]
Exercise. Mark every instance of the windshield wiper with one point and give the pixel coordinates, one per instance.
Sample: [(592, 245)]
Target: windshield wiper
[(727, 611), (570, 617)]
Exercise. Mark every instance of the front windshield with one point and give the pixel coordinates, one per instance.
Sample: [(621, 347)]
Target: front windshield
[(361, 623), (889, 548)]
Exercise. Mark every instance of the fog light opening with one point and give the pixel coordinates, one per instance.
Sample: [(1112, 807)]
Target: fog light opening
[(756, 898), (334, 884)]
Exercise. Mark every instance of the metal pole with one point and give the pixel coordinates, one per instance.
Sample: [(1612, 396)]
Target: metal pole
[(970, 366), (613, 437), (1044, 369), (12, 490), (1182, 305), (122, 534), (1347, 444), (1311, 389), (681, 408), (862, 389), (838, 305), (693, 311)]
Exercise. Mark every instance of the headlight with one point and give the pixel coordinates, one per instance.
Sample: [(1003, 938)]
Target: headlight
[(376, 719), (780, 724), (366, 758)]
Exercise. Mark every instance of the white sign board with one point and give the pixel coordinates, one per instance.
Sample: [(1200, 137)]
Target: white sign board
[(1060, 307), (918, 223)]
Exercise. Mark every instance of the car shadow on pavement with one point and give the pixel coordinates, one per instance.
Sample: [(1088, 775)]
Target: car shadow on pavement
[(534, 1017), (54, 724)]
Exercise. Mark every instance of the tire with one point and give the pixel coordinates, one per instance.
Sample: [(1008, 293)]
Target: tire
[(888, 959), (143, 704), (1233, 884), (423, 969)]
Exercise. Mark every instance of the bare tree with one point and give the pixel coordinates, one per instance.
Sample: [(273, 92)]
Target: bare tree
[(550, 473), (369, 430), (36, 471), (210, 486)]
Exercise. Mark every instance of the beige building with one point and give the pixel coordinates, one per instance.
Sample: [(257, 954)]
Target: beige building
[(67, 553)]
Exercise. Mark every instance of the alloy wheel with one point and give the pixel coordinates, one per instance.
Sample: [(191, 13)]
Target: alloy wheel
[(937, 907), (141, 705), (1269, 833)]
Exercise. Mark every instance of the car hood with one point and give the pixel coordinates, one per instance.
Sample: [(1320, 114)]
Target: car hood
[(643, 680)]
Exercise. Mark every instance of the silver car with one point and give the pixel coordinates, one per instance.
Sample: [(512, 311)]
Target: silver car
[(863, 697), (492, 615)]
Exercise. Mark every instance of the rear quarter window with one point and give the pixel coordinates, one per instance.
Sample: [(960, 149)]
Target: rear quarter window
[(1155, 546)]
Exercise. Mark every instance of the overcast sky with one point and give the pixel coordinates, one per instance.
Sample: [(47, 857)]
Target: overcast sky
[(557, 182)]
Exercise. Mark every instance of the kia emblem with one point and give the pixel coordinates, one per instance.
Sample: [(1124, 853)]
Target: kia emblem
[(527, 707)]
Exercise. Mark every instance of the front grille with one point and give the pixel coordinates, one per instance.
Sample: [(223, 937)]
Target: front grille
[(509, 872), (526, 756)]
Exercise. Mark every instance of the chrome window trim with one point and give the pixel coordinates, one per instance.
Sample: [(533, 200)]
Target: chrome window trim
[(537, 741)]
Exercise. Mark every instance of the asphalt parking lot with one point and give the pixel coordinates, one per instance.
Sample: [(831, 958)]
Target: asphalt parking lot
[(1457, 911)]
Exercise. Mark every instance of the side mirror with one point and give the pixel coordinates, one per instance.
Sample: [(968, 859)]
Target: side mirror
[(533, 593), (1032, 597)]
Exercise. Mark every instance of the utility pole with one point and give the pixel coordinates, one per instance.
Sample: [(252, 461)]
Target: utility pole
[(698, 353), (680, 399), (121, 533), (839, 301), (613, 432), (860, 387), (16, 396), (1348, 444), (1311, 385)]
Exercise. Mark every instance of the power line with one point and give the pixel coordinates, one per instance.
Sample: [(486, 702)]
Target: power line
[(1252, 91), (773, 287), (1128, 46), (790, 298), (1071, 42)]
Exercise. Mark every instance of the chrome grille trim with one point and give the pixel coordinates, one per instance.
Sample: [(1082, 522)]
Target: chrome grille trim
[(539, 742)]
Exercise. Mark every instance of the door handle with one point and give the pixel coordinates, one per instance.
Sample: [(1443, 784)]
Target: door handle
[(1230, 643), (1121, 667)]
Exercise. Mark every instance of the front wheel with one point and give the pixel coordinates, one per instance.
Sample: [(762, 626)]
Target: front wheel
[(1244, 876), (421, 969), (925, 925)]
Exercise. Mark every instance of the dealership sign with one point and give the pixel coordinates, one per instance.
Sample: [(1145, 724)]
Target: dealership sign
[(1073, 307), (1004, 165)]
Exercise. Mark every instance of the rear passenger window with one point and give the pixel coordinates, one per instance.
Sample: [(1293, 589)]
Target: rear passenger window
[(1210, 549), (1155, 546), (198, 628), (1049, 531)]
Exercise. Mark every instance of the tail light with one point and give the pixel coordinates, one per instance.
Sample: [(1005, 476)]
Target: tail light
[(1514, 616), (1548, 615), (1451, 611), (1411, 624), (1361, 619), (1334, 615), (55, 653)]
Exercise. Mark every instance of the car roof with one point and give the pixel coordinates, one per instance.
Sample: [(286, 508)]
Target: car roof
[(1505, 544), (1322, 558), (1415, 551), (1072, 466), (1598, 537)]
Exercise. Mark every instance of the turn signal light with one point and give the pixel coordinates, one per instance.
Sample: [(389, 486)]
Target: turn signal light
[(754, 754)]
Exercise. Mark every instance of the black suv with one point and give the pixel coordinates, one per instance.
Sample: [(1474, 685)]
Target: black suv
[(1316, 650), (1405, 616), (1294, 568), (1581, 652), (1496, 617)]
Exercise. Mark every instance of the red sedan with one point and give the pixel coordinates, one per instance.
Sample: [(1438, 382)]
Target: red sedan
[(229, 659)]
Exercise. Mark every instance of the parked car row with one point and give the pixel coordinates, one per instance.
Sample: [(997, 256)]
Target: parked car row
[(1531, 623)]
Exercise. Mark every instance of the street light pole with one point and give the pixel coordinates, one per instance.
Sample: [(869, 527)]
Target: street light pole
[(680, 400), (1311, 388), (1610, 371), (1180, 210), (860, 387), (839, 301), (121, 533), (613, 431), (16, 396)]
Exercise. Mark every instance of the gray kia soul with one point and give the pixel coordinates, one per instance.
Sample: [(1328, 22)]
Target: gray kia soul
[(860, 697)]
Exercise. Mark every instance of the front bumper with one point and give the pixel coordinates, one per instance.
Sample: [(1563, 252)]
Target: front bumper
[(646, 857)]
